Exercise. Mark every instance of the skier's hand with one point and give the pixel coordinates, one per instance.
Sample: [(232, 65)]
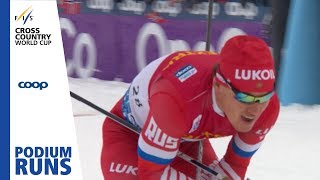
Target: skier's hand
[(221, 174), (226, 178)]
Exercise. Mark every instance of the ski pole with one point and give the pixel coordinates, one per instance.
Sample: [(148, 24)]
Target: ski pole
[(208, 41), (209, 28)]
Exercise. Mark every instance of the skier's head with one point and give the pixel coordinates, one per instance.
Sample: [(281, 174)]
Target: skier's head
[(244, 80), (247, 64)]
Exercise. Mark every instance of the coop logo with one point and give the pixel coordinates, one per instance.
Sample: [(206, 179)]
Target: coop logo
[(43, 160), (25, 16), (35, 85)]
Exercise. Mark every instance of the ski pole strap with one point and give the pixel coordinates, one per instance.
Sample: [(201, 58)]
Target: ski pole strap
[(200, 153)]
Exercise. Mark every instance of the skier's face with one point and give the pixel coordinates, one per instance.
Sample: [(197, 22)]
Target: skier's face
[(242, 116)]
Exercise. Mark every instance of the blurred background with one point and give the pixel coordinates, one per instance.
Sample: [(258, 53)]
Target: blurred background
[(114, 39), (107, 42)]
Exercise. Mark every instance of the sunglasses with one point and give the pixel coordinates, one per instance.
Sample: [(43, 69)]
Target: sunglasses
[(244, 97)]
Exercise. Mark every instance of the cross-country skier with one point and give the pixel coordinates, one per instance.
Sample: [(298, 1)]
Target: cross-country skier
[(188, 96)]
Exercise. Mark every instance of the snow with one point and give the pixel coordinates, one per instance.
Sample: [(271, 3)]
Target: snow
[(290, 151)]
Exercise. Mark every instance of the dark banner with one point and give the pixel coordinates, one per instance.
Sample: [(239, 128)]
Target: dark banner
[(239, 10), (110, 46)]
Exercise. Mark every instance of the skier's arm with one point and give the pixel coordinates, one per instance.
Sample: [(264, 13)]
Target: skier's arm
[(160, 137)]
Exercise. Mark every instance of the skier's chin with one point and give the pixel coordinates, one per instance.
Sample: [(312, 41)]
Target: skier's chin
[(243, 129), (244, 125)]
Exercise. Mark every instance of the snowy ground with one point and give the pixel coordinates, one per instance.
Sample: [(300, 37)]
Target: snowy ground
[(290, 151)]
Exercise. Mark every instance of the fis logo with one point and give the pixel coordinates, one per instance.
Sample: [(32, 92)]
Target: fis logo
[(25, 15)]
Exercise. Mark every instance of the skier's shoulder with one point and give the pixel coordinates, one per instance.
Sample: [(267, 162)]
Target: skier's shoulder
[(188, 69), (196, 58)]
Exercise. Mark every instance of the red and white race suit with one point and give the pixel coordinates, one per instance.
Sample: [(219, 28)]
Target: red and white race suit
[(173, 103)]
